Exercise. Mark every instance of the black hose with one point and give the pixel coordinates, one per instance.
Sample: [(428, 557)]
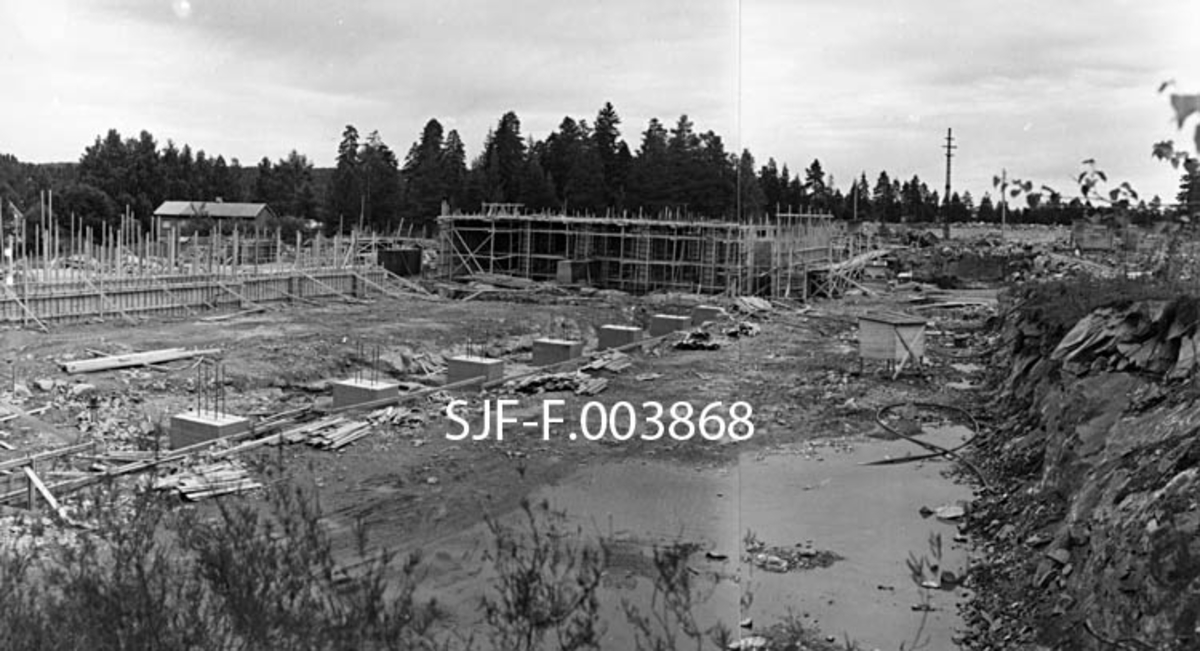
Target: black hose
[(936, 450)]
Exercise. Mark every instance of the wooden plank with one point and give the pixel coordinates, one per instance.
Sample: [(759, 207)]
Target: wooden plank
[(48, 454), (45, 493), (135, 359), (31, 412), (234, 315)]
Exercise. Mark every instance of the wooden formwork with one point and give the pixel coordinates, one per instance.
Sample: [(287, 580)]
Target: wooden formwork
[(639, 255), (61, 272), (183, 294)]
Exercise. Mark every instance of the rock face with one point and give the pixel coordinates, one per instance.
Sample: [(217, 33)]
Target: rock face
[(1097, 531)]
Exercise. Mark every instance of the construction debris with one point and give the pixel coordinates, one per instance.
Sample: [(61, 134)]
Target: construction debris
[(742, 329), (209, 480), (697, 340)]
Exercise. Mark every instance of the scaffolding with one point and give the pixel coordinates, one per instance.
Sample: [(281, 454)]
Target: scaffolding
[(768, 258)]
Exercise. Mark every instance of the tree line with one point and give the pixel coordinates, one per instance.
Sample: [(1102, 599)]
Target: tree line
[(581, 167)]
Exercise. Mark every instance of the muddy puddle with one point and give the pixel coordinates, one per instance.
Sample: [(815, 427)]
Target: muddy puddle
[(808, 503)]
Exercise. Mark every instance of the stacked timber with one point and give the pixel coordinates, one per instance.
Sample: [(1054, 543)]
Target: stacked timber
[(209, 480), (397, 415), (613, 361), (591, 386), (329, 433), (580, 383), (340, 435)]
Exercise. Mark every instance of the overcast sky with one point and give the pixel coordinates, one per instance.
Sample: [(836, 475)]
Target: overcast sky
[(863, 86)]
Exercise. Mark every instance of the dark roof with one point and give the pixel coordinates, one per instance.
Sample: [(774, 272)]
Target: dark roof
[(893, 318), (215, 209)]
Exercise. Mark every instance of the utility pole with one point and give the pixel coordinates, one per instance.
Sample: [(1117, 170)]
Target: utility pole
[(950, 147), (1003, 200)]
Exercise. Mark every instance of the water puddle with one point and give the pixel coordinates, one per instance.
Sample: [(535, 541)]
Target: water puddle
[(829, 537)]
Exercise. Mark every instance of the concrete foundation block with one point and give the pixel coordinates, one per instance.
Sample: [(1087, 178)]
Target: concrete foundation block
[(190, 427), (615, 336), (661, 324), (702, 314), (347, 393), (466, 367), (553, 351)]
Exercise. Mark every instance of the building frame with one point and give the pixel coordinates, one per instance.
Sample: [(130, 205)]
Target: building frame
[(767, 257)]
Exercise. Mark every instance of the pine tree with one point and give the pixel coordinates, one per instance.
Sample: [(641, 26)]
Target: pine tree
[(751, 199), (884, 199), (613, 154), (814, 184), (454, 170), (344, 198), (649, 182), (381, 183), (1188, 198), (768, 179), (425, 179), (504, 160)]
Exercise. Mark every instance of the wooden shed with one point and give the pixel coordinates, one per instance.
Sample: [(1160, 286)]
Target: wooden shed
[(893, 337)]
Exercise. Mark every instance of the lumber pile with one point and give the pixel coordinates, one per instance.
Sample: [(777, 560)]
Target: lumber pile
[(328, 433), (613, 361), (134, 359), (591, 386), (208, 480), (339, 436), (580, 383), (397, 415)]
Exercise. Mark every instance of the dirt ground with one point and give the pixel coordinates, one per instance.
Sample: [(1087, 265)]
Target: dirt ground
[(412, 486)]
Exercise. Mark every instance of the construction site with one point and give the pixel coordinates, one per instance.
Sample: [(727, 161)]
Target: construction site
[(153, 374), (780, 258)]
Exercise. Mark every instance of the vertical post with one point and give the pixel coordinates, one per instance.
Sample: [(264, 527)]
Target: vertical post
[(950, 147), (1003, 201)]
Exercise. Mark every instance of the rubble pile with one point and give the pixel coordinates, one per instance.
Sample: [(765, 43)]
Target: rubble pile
[(116, 419), (787, 559)]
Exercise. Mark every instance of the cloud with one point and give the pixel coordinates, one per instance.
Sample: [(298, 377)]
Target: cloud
[(875, 85), (861, 85)]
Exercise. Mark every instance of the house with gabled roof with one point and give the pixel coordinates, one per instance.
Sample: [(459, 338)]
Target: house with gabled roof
[(172, 215)]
